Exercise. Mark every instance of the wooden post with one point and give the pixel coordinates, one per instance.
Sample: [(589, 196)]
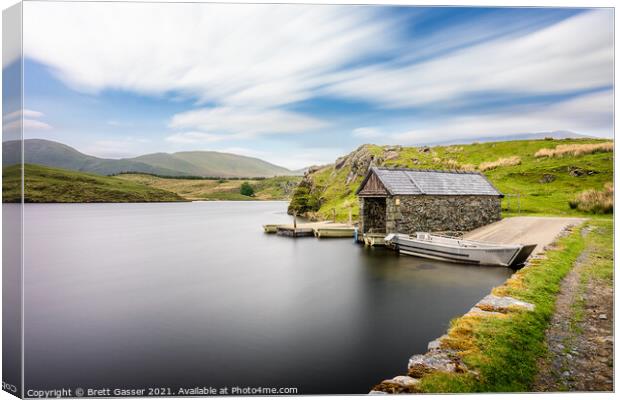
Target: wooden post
[(334, 213), (295, 224), (350, 215)]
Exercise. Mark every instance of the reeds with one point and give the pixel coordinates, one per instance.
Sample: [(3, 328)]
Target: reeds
[(502, 162), (595, 201), (576, 149)]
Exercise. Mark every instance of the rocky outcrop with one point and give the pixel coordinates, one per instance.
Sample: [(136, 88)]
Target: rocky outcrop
[(308, 197)]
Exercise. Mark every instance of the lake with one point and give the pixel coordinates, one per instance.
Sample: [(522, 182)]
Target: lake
[(195, 294)]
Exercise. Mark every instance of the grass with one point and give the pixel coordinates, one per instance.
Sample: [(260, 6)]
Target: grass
[(278, 188), (504, 351), (55, 185), (545, 185)]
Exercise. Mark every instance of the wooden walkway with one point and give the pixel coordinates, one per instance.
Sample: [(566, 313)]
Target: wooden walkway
[(322, 229)]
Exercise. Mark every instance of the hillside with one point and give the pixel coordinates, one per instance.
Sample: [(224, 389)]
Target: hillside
[(213, 164), (277, 188), (58, 155), (545, 184), (54, 185), (195, 163)]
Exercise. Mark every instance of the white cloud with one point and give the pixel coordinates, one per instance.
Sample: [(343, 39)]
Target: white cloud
[(25, 112), (574, 54), (233, 54), (219, 122), (590, 114), (26, 119)]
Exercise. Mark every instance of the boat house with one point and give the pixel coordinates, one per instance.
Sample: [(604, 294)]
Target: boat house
[(409, 200)]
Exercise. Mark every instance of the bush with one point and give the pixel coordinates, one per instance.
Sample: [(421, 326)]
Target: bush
[(576, 149), (246, 189), (595, 201), (502, 162)]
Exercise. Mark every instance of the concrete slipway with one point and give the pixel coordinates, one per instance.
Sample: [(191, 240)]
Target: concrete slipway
[(526, 230)]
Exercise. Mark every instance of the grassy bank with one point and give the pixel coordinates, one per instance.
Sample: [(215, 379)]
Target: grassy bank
[(546, 182), (55, 185), (504, 350), (277, 188)]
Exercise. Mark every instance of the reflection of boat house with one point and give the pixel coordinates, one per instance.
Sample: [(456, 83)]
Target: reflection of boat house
[(409, 200)]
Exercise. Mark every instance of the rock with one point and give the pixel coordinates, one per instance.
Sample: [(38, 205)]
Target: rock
[(391, 155), (401, 380), (422, 364), (602, 316), (547, 178), (340, 163), (478, 312), (575, 171), (566, 373), (436, 344), (502, 304), (424, 149)]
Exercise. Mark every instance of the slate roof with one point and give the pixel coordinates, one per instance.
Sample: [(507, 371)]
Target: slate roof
[(403, 181)]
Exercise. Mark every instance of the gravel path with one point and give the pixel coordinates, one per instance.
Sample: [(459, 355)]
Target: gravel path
[(580, 355)]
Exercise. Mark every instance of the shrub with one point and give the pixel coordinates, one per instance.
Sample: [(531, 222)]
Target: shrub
[(595, 201), (576, 149), (502, 162), (246, 189)]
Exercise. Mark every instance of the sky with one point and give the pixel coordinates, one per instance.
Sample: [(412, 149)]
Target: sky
[(298, 85)]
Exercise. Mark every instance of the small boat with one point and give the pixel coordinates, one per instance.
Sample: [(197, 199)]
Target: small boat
[(437, 247)]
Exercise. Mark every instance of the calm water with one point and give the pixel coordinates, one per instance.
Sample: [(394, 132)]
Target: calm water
[(194, 294)]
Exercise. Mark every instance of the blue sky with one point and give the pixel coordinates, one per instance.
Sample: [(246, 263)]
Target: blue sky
[(299, 85)]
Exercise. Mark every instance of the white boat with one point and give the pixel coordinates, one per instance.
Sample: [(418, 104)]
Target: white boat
[(437, 247)]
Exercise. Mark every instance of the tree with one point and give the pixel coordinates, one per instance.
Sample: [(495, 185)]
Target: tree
[(246, 189)]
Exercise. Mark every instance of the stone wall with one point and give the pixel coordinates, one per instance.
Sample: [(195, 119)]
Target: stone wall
[(441, 213)]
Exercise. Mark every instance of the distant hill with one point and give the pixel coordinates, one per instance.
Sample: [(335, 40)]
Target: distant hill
[(517, 136), (56, 185), (195, 163)]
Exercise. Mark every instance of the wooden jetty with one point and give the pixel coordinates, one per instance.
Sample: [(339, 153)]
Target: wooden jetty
[(323, 229), (374, 239), (335, 231)]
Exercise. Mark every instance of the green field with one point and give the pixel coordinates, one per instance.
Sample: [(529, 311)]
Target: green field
[(278, 188), (55, 185), (535, 186)]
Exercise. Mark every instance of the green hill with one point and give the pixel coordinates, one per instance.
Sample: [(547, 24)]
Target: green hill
[(545, 184), (58, 155), (213, 163), (276, 188), (194, 163), (54, 185)]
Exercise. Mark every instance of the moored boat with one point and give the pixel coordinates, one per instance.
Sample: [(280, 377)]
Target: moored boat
[(427, 245)]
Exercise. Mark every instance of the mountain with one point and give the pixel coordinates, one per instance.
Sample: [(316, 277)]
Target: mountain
[(517, 136), (193, 163)]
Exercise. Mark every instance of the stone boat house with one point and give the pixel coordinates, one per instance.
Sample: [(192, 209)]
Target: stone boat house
[(408, 200)]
